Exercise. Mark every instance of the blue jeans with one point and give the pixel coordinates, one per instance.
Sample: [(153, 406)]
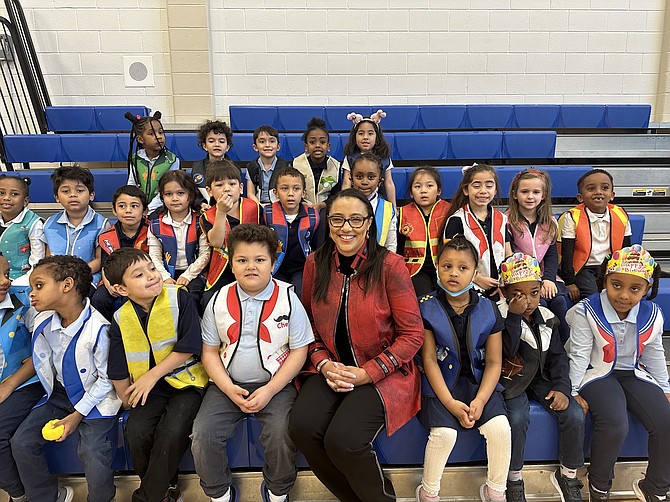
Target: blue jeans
[(570, 422), (93, 449), (13, 411), (215, 425)]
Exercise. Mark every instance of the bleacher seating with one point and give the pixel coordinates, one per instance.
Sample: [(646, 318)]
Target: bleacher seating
[(405, 447), (91, 118), (409, 145), (426, 117)]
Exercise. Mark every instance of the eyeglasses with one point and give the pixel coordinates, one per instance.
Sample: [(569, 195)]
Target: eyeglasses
[(355, 221)]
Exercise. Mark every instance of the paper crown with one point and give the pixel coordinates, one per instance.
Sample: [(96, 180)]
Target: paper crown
[(634, 260), (376, 117), (519, 268)]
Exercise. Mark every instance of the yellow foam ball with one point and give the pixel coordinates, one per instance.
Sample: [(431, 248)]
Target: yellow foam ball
[(51, 433)]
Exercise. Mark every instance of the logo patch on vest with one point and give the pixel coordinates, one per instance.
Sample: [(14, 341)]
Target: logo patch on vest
[(198, 178)]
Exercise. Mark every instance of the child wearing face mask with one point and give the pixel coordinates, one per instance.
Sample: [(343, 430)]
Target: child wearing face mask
[(461, 359)]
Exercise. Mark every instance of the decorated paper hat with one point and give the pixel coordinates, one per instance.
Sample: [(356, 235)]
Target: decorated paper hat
[(634, 260), (519, 268)]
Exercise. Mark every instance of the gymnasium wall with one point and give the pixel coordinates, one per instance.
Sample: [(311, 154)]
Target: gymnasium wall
[(375, 51)]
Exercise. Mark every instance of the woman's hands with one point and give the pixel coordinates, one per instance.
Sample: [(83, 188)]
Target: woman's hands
[(342, 378)]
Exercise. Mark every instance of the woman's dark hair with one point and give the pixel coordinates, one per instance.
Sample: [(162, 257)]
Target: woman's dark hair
[(655, 276), (381, 148), (314, 124), (459, 243), (183, 179), (23, 181), (370, 272)]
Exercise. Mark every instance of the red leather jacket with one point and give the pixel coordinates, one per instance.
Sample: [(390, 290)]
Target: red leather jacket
[(385, 328)]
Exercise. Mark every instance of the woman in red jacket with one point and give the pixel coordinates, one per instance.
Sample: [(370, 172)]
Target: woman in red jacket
[(361, 374)]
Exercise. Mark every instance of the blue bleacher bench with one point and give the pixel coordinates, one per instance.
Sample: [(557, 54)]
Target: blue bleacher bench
[(407, 146), (92, 118), (405, 447), (472, 116)]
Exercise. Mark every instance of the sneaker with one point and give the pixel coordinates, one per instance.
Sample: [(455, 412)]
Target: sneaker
[(569, 489), (22, 498), (641, 494), (597, 495), (265, 494), (234, 496), (173, 495), (485, 496), (422, 496), (65, 494), (515, 491)]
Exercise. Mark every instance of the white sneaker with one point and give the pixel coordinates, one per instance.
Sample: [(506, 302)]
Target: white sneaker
[(65, 494)]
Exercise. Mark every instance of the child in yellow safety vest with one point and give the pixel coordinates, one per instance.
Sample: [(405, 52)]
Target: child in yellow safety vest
[(154, 364)]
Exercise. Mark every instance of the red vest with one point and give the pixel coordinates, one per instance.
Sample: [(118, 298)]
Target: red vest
[(249, 212), (583, 244), (418, 234), (109, 239)]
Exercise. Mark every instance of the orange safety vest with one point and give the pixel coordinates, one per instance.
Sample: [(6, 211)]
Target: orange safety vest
[(418, 234), (249, 213), (583, 241), (109, 239)]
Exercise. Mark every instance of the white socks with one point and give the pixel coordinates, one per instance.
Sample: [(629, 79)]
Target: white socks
[(223, 498), (568, 473)]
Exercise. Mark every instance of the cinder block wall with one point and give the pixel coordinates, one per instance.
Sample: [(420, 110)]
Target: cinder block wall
[(376, 52)]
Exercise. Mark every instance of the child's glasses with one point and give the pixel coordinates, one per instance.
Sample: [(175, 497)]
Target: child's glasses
[(354, 221)]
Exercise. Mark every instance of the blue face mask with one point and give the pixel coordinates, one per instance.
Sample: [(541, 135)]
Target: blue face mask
[(455, 293)]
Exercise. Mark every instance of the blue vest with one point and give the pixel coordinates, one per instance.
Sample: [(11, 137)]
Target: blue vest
[(85, 240), (78, 369), (165, 233), (275, 218), (15, 342), (384, 213), (15, 244), (481, 321)]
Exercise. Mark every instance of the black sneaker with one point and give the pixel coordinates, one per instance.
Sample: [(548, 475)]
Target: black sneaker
[(173, 495), (642, 494), (597, 495), (515, 491), (569, 489)]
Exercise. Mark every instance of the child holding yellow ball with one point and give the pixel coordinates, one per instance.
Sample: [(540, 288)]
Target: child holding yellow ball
[(70, 348), (19, 387)]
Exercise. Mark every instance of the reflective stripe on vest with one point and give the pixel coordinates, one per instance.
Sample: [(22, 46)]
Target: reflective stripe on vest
[(162, 334), (413, 227), (109, 239), (384, 213), (249, 213), (583, 240), (275, 218), (166, 234)]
